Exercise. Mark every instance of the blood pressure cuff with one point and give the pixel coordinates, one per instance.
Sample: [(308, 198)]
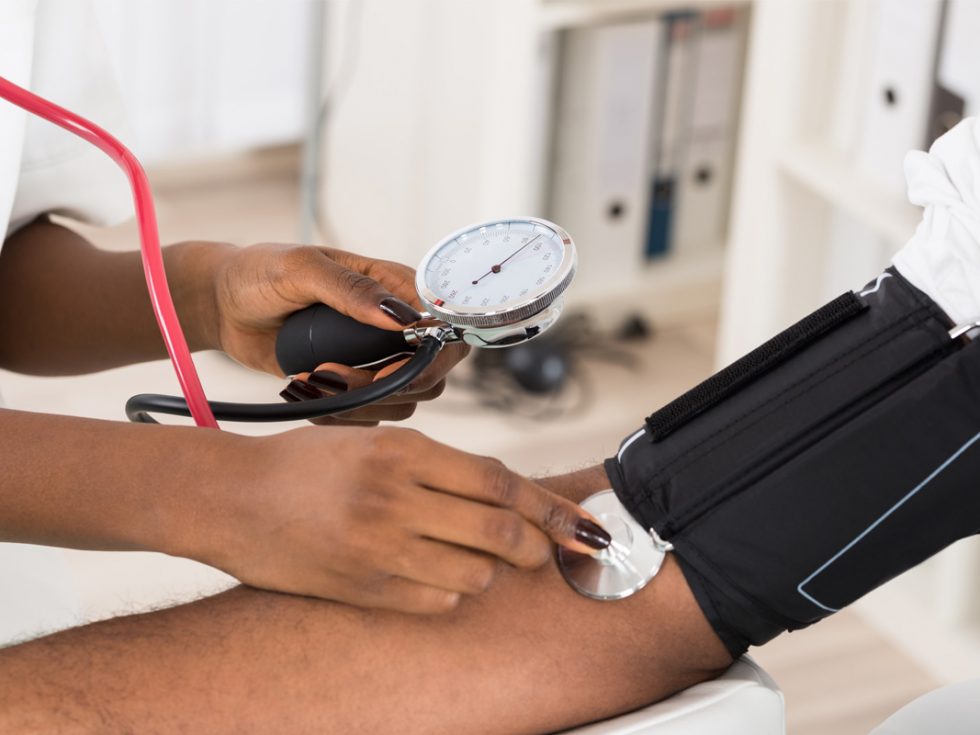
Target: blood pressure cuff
[(831, 459)]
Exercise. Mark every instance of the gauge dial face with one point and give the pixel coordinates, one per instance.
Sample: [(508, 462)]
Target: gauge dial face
[(496, 267)]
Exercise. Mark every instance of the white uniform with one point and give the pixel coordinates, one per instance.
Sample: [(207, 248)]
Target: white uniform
[(943, 257), (51, 47)]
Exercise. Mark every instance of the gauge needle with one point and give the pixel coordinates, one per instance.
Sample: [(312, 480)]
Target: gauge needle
[(496, 268)]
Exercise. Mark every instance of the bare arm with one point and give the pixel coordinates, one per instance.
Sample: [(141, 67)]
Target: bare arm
[(67, 307), (374, 517), (85, 483), (528, 656)]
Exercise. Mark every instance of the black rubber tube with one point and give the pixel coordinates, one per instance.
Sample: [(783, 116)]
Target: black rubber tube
[(139, 407)]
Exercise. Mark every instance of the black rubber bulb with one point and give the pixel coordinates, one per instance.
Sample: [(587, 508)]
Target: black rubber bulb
[(319, 334)]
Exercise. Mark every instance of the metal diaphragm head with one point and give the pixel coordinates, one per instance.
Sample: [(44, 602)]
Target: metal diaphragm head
[(626, 566)]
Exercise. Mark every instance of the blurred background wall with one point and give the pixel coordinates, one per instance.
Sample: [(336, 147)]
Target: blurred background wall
[(209, 78)]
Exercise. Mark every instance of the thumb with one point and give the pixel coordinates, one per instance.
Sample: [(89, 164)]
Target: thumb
[(352, 293)]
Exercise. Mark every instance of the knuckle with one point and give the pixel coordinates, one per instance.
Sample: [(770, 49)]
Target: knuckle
[(542, 554), (506, 531), (358, 283), (298, 258), (502, 484), (557, 519), (375, 584), (374, 505), (383, 443), (410, 440), (439, 602), (419, 599), (403, 564), (480, 577)]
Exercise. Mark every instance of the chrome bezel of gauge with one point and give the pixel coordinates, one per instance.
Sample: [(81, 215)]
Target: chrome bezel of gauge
[(516, 311)]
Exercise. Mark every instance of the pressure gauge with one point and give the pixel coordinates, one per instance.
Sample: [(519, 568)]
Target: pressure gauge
[(491, 284), (499, 282)]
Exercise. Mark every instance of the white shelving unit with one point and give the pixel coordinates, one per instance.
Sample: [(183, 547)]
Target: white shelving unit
[(557, 14), (798, 175), (828, 174), (450, 143)]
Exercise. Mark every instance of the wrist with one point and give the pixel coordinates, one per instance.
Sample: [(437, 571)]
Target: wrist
[(197, 515), (193, 269)]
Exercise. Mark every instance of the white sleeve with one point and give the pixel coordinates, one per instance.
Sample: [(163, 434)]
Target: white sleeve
[(60, 172), (943, 257)]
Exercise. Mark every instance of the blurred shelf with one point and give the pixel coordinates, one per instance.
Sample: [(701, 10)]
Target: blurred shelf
[(558, 14), (830, 175), (671, 290)]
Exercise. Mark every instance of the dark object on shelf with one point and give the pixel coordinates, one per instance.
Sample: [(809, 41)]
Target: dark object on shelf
[(538, 367), (543, 379), (635, 327)]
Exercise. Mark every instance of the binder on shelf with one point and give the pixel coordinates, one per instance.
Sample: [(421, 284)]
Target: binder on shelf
[(644, 137), (896, 113), (600, 172), (956, 93), (670, 129), (895, 120), (708, 159)]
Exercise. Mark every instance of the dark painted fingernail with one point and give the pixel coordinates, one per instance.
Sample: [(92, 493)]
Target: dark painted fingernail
[(301, 391), (328, 380), (399, 311), (592, 534), (287, 396)]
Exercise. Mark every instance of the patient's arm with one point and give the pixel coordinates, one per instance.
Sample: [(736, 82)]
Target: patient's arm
[(529, 656)]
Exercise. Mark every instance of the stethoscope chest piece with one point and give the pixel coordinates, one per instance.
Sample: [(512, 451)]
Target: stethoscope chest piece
[(632, 559)]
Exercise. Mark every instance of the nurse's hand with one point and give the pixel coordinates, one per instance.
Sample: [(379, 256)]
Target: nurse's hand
[(258, 287), (377, 518)]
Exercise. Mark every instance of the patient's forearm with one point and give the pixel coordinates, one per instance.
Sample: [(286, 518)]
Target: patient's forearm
[(528, 656)]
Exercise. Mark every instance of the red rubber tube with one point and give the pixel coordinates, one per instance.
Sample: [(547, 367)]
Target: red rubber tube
[(156, 277)]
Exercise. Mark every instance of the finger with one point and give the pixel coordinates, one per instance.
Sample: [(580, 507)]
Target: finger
[(448, 358), (322, 383), (405, 595), (363, 417), (311, 276), (376, 413), (444, 566), (299, 390), (333, 378), (501, 532), (336, 421), (489, 481)]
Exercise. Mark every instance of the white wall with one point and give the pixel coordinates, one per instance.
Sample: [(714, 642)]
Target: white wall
[(209, 77), (434, 120)]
